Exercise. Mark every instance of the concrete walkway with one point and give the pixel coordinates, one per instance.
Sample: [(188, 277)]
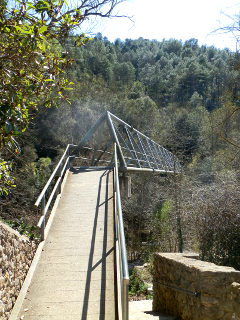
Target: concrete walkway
[(74, 278), (142, 310)]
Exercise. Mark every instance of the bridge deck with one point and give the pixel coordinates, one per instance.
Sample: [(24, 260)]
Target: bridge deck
[(74, 278)]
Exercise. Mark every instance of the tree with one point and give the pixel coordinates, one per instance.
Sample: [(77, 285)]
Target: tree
[(234, 29), (33, 59)]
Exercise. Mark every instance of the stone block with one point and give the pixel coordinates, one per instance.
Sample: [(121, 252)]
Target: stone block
[(176, 277)]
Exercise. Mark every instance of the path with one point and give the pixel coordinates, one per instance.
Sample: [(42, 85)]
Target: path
[(74, 278), (142, 310)]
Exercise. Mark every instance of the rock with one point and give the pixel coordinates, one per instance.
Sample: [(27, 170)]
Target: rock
[(16, 254), (176, 280)]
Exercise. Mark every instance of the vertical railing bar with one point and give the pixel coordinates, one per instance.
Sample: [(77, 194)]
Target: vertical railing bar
[(157, 156), (171, 160), (161, 160), (51, 177), (115, 139), (109, 143), (143, 150), (60, 167), (162, 151), (167, 159), (130, 140), (150, 147), (68, 156), (150, 155), (43, 214), (59, 186), (122, 244), (124, 142), (139, 149), (138, 152)]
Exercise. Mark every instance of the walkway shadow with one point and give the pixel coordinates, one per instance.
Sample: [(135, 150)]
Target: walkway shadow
[(105, 253)]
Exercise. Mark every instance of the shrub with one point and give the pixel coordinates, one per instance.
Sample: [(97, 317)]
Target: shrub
[(136, 286), (218, 224)]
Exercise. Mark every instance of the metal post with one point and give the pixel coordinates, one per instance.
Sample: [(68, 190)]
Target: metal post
[(132, 146), (125, 299), (68, 157), (59, 175), (124, 276), (115, 139), (43, 214), (143, 150)]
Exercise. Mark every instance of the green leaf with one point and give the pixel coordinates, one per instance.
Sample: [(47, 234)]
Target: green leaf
[(42, 29)]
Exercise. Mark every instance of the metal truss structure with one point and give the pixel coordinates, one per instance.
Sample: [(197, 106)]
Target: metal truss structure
[(136, 151)]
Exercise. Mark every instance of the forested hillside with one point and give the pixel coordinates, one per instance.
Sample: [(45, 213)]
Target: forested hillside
[(184, 96)]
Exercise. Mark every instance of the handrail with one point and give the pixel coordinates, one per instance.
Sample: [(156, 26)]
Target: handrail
[(123, 264), (63, 165), (52, 176)]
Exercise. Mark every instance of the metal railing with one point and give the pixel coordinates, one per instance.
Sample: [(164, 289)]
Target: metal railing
[(96, 156), (122, 274), (136, 151), (141, 151), (58, 173)]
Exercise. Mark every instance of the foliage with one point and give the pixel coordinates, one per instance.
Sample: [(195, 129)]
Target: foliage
[(33, 58), (171, 71), (218, 221), (30, 68), (137, 287), (6, 181), (23, 228), (162, 227)]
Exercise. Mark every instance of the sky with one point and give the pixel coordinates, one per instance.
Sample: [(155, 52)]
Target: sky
[(178, 19)]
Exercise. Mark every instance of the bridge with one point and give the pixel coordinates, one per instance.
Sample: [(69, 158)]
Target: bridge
[(80, 269)]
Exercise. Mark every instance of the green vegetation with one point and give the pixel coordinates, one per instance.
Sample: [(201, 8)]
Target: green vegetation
[(137, 287), (33, 60), (6, 180), (23, 228)]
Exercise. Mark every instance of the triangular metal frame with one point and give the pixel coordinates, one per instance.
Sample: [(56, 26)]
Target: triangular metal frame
[(136, 151)]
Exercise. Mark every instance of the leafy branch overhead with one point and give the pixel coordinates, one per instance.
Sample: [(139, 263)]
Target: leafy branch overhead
[(31, 56)]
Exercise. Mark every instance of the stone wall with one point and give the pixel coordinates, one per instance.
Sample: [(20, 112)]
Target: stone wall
[(195, 290), (16, 254)]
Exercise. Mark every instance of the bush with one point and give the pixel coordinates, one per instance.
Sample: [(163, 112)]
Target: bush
[(137, 287), (218, 224)]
